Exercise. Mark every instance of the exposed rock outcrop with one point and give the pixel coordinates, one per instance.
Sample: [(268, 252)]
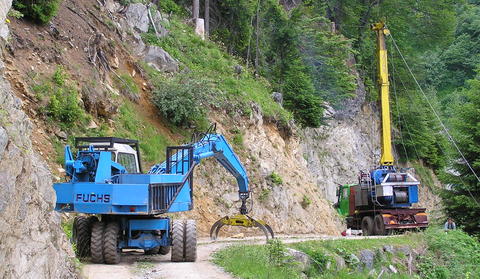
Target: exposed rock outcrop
[(32, 242)]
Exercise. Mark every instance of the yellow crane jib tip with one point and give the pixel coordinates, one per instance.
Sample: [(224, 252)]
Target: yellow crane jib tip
[(240, 220), (380, 26)]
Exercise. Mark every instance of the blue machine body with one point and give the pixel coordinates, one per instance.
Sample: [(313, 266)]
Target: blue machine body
[(388, 188), (99, 185)]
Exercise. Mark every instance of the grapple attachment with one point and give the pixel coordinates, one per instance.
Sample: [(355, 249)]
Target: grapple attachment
[(240, 220)]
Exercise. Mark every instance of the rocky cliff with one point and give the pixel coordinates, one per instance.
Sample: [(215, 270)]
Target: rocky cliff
[(32, 242)]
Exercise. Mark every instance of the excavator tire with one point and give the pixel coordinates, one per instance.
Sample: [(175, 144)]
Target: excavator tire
[(92, 220), (178, 243), (164, 250), (96, 243), (379, 225), (113, 255), (153, 251), (367, 226), (81, 236), (191, 241)]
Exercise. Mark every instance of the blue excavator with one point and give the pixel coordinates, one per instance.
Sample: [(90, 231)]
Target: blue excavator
[(126, 207)]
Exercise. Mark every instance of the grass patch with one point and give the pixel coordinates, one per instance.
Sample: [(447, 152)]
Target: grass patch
[(442, 255), (253, 261)]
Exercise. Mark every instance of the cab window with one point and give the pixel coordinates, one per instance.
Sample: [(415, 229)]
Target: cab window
[(128, 161)]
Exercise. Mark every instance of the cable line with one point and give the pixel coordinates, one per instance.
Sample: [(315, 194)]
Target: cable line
[(450, 138), (449, 159), (398, 110)]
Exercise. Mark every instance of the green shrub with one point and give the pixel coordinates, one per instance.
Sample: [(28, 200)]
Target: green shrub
[(60, 75), (63, 105), (264, 195), (306, 201), (275, 178), (183, 99), (39, 11)]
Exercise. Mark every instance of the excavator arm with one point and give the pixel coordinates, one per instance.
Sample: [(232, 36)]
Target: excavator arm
[(214, 145), (211, 144)]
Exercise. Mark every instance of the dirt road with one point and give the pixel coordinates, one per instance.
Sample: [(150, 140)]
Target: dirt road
[(136, 265)]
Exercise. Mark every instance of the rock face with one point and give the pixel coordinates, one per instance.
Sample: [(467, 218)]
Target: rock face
[(291, 204), (32, 242), (337, 151)]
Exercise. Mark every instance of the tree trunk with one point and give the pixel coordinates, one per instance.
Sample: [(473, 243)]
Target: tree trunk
[(256, 45), (337, 10), (207, 17), (249, 43), (196, 8), (230, 48)]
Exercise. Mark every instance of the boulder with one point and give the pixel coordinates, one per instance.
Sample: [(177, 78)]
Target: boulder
[(404, 250), (137, 18), (278, 98), (304, 259), (388, 248), (160, 60), (256, 117), (367, 257)]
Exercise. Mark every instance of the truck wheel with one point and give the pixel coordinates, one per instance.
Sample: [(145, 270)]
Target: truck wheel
[(367, 226), (81, 236), (164, 250), (177, 240), (153, 251), (96, 243), (191, 241), (379, 225), (111, 241)]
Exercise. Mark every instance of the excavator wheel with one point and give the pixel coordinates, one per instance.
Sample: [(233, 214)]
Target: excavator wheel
[(96, 243), (111, 241), (177, 240), (190, 241), (367, 226), (81, 236), (92, 220), (164, 250), (153, 251)]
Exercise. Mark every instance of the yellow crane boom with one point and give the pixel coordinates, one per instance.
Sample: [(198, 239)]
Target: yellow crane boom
[(383, 84)]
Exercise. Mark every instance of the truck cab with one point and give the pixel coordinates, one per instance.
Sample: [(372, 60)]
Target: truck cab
[(342, 204)]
